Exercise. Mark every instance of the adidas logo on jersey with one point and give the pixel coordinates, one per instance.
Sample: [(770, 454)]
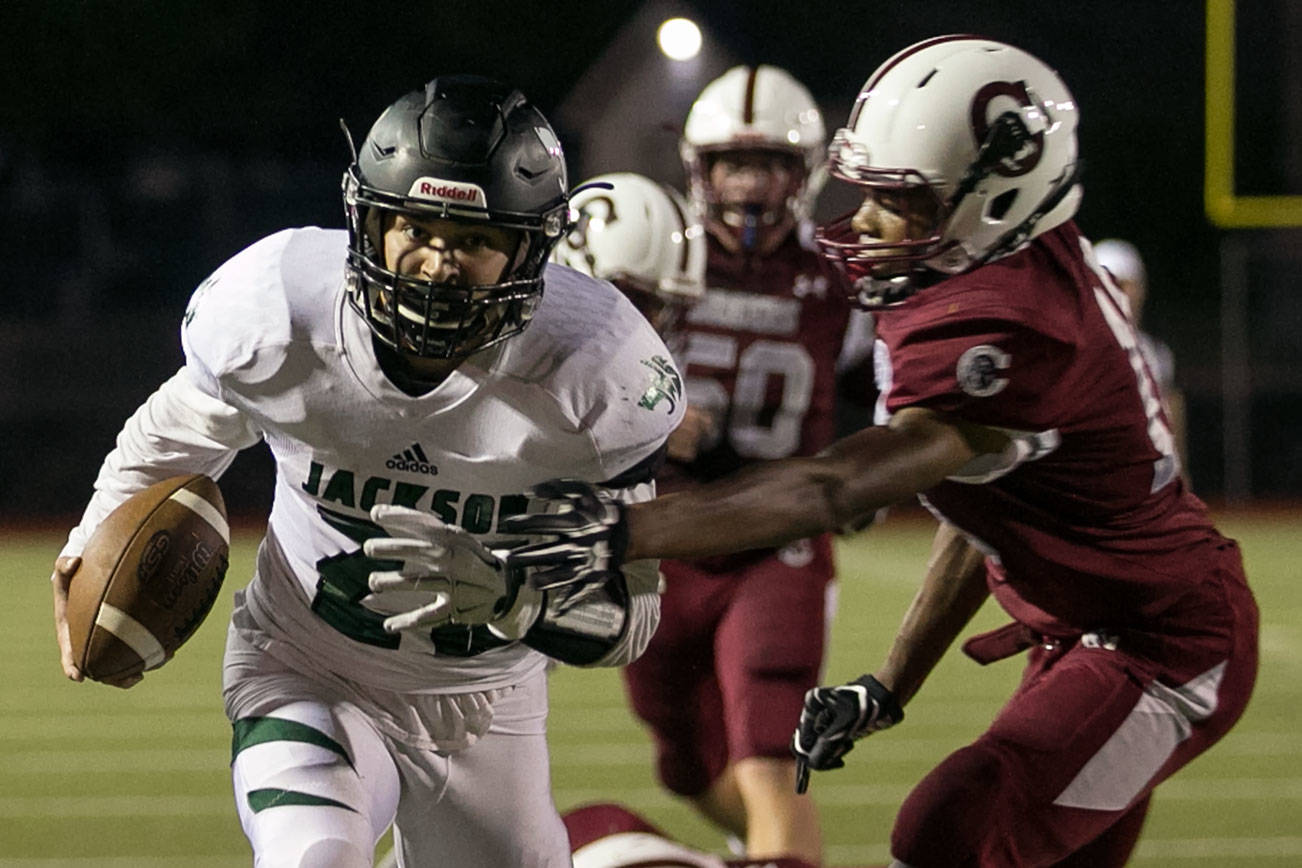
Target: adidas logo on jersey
[(412, 460)]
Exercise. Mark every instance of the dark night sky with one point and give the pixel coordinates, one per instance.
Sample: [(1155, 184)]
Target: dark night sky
[(85, 79), (87, 84)]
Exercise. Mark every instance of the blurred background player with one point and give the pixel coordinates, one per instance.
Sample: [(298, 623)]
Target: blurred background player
[(382, 667), (643, 237), (743, 635), (1123, 261)]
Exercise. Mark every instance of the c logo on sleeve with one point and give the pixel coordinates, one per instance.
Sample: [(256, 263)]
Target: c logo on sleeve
[(978, 371)]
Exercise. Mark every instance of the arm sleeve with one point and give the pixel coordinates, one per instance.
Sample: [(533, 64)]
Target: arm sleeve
[(643, 581), (179, 429), (643, 617)]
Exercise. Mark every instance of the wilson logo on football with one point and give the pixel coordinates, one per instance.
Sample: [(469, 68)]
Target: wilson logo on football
[(452, 192), (153, 554)]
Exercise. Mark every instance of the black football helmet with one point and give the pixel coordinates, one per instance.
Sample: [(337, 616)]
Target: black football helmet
[(467, 149)]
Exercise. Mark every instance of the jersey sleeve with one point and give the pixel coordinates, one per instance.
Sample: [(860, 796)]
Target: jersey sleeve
[(193, 423), (179, 429), (236, 324), (638, 402), (987, 369)]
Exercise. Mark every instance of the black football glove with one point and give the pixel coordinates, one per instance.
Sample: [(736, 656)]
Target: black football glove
[(585, 537), (834, 717)]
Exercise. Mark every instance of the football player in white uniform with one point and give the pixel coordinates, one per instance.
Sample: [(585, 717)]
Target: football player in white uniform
[(383, 666)]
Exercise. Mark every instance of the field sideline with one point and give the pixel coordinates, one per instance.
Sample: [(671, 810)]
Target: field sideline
[(92, 776)]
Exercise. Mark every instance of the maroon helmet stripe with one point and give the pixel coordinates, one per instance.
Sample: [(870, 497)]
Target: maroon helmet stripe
[(895, 61), (748, 103)]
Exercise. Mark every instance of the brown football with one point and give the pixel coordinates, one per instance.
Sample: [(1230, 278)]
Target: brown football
[(148, 576)]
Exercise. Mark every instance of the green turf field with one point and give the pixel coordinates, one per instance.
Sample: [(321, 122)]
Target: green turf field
[(93, 776)]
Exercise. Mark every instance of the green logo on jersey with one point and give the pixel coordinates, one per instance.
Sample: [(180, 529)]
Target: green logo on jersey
[(193, 307), (666, 385)]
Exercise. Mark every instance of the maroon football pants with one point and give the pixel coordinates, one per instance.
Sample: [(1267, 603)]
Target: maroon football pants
[(1063, 775), (725, 675)]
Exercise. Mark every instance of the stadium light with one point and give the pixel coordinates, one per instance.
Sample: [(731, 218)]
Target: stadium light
[(679, 38)]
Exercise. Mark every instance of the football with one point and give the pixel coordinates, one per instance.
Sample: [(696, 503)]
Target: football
[(148, 577)]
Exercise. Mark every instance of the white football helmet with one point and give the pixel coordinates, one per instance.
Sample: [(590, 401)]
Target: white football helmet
[(1122, 259), (641, 236), (754, 108), (984, 129)]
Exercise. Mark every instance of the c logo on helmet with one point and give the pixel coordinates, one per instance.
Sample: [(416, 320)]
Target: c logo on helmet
[(1028, 157), (597, 208)]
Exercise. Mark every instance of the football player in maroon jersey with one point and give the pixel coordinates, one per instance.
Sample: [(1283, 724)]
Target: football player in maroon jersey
[(1017, 403), (742, 638)]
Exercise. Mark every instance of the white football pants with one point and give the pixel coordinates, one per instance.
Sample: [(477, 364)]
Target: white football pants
[(316, 785)]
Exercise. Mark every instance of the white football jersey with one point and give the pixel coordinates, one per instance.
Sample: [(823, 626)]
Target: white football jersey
[(275, 352)]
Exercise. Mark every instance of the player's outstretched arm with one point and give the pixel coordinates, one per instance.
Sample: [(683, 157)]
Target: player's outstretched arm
[(765, 505), (833, 718), (776, 502), (950, 595), (178, 430)]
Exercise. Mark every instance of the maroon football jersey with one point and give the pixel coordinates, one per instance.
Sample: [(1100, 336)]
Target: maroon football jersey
[(1085, 516), (761, 358), (761, 355)]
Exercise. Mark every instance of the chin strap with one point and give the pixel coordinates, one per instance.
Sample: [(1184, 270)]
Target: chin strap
[(875, 292)]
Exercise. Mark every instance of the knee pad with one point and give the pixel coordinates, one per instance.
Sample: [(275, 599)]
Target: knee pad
[(334, 853), (300, 836)]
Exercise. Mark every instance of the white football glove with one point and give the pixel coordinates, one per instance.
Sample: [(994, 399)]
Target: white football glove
[(447, 577)]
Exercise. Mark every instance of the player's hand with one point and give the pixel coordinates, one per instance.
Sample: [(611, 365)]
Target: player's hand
[(685, 441), (834, 717), (585, 536), (60, 580), (447, 576)]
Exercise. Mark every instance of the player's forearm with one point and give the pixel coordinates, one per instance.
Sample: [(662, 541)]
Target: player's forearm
[(951, 593), (775, 502)]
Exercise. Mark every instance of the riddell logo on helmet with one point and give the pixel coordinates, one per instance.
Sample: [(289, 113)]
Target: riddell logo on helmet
[(453, 192)]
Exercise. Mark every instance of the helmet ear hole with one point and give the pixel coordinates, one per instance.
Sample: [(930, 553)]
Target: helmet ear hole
[(999, 205)]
